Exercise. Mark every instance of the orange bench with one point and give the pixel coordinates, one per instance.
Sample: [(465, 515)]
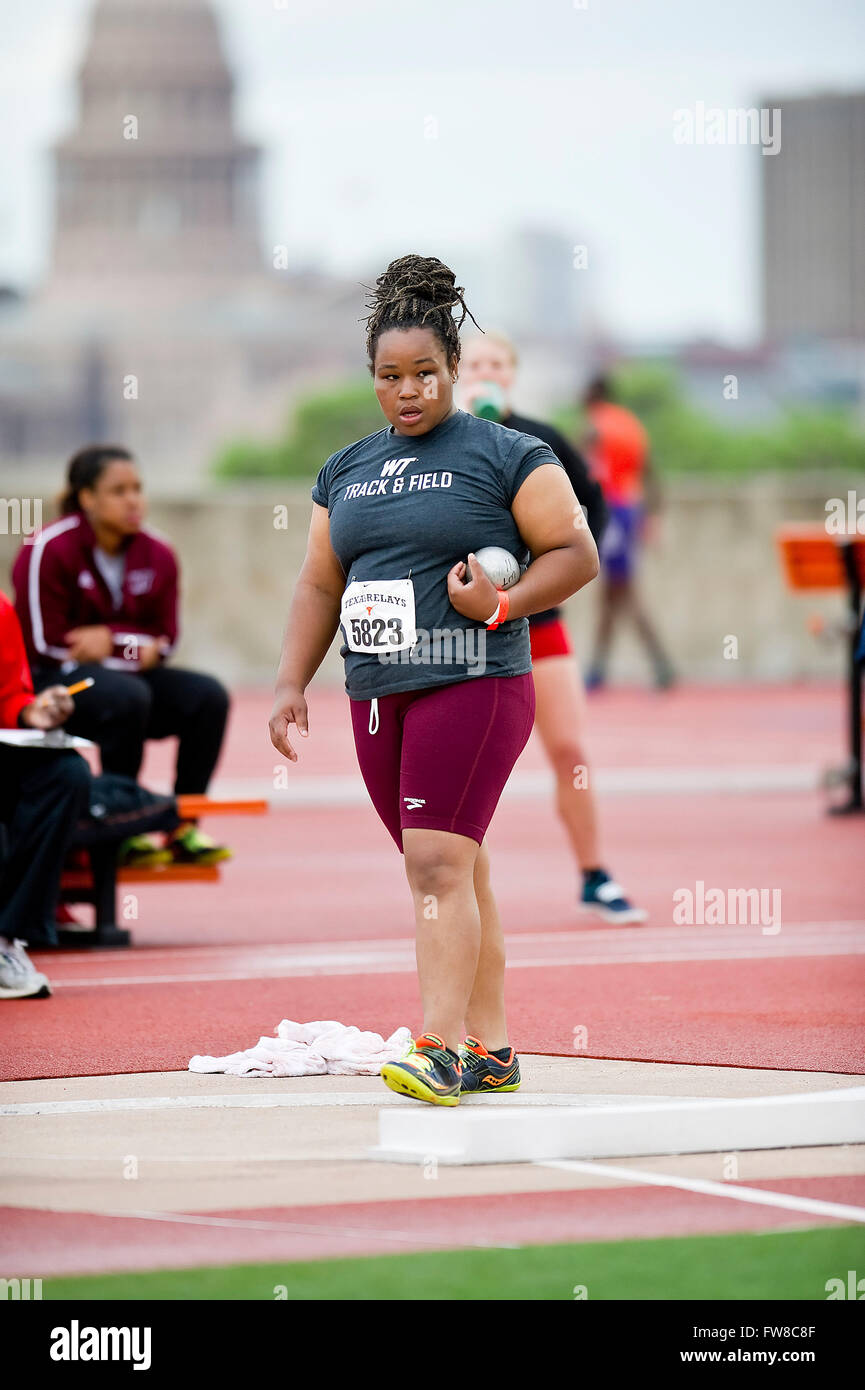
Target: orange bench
[(811, 558), (97, 884)]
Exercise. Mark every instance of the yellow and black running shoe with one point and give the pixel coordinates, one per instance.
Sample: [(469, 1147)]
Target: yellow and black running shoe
[(141, 852), (189, 845), (484, 1074), (427, 1072)]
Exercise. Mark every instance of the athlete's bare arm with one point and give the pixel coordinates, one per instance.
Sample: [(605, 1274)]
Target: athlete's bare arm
[(312, 622), (552, 525)]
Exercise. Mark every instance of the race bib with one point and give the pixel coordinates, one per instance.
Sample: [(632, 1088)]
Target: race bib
[(377, 615)]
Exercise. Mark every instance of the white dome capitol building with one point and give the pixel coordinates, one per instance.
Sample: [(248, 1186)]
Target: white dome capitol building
[(162, 322)]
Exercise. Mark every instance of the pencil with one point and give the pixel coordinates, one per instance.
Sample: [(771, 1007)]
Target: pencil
[(75, 689)]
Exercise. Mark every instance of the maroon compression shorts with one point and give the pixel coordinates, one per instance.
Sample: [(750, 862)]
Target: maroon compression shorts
[(440, 757)]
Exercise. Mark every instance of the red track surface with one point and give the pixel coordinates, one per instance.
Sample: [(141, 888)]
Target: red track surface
[(312, 920), (46, 1243), (330, 874), (796, 1014)]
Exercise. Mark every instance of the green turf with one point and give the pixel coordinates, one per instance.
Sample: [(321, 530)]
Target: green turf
[(778, 1265)]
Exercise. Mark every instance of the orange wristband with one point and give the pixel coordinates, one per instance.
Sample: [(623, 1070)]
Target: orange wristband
[(502, 611)]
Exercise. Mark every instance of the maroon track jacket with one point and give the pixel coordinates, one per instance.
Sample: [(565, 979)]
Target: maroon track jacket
[(58, 586)]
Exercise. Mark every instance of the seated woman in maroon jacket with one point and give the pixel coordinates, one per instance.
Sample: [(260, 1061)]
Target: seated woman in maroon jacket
[(97, 594)]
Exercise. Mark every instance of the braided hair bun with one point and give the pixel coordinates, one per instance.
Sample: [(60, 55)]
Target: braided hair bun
[(417, 292)]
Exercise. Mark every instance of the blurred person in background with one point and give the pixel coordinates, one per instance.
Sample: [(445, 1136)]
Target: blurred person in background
[(487, 373), (618, 449), (97, 594), (43, 792)]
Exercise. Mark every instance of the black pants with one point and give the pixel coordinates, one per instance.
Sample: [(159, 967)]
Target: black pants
[(42, 795), (123, 709)]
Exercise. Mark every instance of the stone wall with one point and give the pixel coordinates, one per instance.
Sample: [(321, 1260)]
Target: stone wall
[(714, 574)]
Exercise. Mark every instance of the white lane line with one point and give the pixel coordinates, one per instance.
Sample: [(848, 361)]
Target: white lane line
[(787, 1202), (291, 1100), (641, 944), (407, 965), (585, 937), (301, 1227), (345, 1155), (336, 789)]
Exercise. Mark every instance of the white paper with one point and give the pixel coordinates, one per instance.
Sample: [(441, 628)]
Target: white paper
[(43, 738)]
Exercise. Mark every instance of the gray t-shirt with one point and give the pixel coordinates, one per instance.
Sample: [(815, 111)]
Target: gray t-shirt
[(410, 507)]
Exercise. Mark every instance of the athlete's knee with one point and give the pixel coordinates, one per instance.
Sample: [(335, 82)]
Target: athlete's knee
[(433, 870), (569, 762)]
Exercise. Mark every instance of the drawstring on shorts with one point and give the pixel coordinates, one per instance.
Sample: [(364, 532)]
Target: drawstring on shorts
[(373, 716)]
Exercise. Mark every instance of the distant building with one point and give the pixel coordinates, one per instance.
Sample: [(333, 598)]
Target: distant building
[(526, 284), (161, 323), (154, 179), (813, 202)]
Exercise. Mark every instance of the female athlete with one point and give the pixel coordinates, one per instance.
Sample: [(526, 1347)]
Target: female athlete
[(437, 661)]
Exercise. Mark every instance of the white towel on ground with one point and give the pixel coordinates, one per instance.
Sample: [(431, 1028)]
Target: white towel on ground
[(311, 1049)]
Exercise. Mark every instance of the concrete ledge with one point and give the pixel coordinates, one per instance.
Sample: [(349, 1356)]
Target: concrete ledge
[(472, 1134)]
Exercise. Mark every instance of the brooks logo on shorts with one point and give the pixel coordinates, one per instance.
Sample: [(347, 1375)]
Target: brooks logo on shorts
[(413, 802)]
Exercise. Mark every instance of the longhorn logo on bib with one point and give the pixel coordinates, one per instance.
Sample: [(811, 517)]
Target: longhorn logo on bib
[(378, 616)]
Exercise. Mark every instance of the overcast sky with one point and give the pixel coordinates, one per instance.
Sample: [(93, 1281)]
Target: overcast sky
[(547, 113)]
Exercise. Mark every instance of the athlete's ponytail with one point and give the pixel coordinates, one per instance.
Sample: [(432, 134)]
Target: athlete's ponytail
[(84, 470), (417, 292)]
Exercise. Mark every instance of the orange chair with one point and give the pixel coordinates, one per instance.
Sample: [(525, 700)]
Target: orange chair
[(811, 558), (95, 877)]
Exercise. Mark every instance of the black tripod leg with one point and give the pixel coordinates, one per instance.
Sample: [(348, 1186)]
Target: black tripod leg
[(103, 866), (854, 589)]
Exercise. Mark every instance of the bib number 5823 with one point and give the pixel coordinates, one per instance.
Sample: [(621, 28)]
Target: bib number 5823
[(377, 632)]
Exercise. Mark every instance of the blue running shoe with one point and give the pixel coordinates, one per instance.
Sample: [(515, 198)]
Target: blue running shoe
[(603, 896), (484, 1074)]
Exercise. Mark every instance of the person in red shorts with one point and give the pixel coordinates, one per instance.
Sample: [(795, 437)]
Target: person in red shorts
[(437, 660), (618, 449), (487, 373)]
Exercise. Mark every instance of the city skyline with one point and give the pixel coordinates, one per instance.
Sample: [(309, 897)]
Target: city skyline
[(446, 147)]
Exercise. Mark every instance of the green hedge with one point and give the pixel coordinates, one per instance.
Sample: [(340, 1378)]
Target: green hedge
[(684, 440), (322, 423)]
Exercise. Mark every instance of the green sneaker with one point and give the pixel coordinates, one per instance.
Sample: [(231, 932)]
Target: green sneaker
[(189, 845), (427, 1072), (142, 852)]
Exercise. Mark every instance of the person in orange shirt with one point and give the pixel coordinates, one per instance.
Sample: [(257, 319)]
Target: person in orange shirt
[(618, 449)]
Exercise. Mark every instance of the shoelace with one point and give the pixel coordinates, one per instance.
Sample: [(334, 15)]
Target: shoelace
[(438, 1055)]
